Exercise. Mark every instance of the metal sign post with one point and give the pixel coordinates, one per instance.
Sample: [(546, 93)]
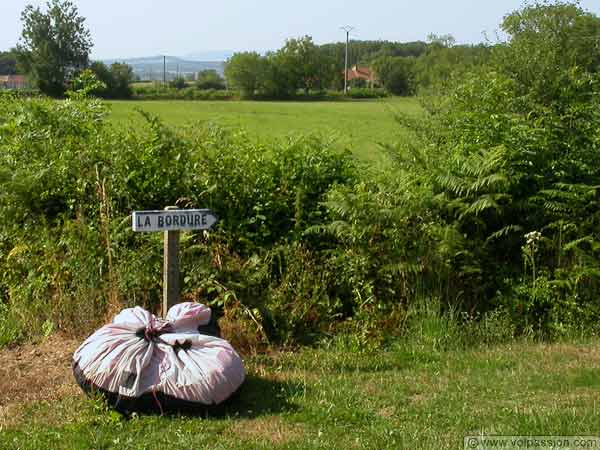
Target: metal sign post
[(171, 222)]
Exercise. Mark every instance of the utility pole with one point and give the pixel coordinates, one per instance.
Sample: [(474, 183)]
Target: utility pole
[(347, 29), (164, 70)]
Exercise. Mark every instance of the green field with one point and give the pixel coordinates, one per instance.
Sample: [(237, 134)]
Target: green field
[(356, 125), (408, 397)]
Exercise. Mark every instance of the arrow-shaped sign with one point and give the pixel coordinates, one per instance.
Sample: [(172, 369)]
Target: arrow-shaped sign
[(173, 220)]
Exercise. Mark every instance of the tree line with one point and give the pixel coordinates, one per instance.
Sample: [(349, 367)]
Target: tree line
[(303, 66)]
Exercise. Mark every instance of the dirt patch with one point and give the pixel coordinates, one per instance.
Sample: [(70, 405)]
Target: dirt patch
[(272, 429), (36, 372)]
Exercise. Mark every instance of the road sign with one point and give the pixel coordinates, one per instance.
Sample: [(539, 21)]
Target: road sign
[(173, 220)]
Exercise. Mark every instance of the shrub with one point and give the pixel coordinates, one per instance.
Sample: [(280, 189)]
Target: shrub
[(363, 93), (210, 80), (177, 83), (510, 155), (68, 257), (158, 92)]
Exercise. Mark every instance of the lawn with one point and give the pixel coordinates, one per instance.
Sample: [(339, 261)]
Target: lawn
[(406, 397), (357, 125)]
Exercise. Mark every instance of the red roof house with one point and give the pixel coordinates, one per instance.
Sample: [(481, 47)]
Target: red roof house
[(362, 73)]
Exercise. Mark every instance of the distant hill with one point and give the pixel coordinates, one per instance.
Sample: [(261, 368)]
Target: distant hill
[(212, 55), (151, 67)]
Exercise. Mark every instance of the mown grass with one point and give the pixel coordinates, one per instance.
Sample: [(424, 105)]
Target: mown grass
[(409, 396), (357, 125)]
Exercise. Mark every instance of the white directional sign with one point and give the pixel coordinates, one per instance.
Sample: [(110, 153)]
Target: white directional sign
[(173, 220)]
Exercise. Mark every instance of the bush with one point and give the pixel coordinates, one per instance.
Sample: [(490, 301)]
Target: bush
[(117, 80), (513, 160), (68, 257), (178, 83), (210, 80), (490, 209), (156, 91), (364, 93)]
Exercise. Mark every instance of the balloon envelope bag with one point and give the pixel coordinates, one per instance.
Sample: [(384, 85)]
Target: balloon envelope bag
[(143, 363)]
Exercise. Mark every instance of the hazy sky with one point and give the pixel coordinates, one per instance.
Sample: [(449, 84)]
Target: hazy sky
[(126, 28)]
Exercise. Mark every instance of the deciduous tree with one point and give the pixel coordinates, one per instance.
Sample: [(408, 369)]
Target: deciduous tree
[(395, 73), (210, 79), (54, 45), (246, 72), (8, 63)]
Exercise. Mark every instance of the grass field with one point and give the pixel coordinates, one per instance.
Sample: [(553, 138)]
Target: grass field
[(408, 397), (357, 125)]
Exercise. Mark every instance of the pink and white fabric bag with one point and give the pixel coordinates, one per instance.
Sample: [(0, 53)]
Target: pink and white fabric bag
[(143, 363)]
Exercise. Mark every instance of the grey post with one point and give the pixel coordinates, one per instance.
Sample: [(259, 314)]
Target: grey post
[(171, 268), (347, 29)]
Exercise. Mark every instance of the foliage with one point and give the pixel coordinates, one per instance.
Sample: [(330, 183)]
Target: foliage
[(66, 200), (54, 45), (364, 53), (245, 72), (156, 91), (298, 65), (177, 83), (8, 63), (210, 79), (307, 66), (118, 79), (364, 93), (444, 62), (403, 69), (86, 84), (545, 37), (518, 155), (396, 74), (487, 217)]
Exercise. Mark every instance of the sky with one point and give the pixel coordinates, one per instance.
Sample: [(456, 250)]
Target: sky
[(130, 28)]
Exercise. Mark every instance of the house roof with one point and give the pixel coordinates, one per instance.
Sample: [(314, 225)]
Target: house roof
[(363, 73)]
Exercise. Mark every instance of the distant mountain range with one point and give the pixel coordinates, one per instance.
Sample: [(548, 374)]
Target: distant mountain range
[(151, 67), (213, 55)]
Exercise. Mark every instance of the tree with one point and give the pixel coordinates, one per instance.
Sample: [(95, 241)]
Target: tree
[(104, 75), (122, 77), (364, 52), (396, 74), (441, 63), (307, 67), (54, 45), (177, 83), (210, 79), (246, 72), (444, 40), (545, 40), (117, 79), (85, 84), (8, 63), (279, 81)]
